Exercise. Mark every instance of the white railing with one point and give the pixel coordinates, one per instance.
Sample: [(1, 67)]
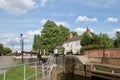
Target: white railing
[(48, 67)]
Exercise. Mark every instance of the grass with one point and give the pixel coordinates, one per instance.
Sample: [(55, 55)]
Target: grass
[(59, 76), (103, 68), (17, 73)]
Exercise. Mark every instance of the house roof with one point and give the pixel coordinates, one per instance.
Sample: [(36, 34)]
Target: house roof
[(74, 38)]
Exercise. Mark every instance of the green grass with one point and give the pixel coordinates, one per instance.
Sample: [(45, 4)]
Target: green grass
[(17, 73), (59, 76), (103, 68)]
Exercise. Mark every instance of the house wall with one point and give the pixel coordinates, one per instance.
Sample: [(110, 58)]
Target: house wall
[(73, 45)]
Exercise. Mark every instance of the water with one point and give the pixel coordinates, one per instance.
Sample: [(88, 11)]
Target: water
[(70, 76)]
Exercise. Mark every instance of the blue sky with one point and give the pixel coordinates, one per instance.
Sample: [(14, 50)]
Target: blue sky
[(28, 16)]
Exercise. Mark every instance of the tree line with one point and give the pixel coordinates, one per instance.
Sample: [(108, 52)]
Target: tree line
[(92, 41), (53, 35)]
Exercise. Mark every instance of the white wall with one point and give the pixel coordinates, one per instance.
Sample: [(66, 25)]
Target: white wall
[(73, 45)]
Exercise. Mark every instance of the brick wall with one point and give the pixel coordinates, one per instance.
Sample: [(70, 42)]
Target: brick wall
[(109, 53)]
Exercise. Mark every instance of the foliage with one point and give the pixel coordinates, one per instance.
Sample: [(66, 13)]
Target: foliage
[(51, 36), (74, 33), (1, 49), (117, 40), (61, 50), (59, 76), (86, 39), (93, 41), (36, 43), (4, 50), (105, 40), (90, 47)]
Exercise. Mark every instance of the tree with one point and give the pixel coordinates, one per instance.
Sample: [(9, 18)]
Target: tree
[(86, 39), (6, 50), (117, 40), (93, 41), (1, 49), (105, 40), (36, 43), (74, 33), (53, 35), (63, 34), (49, 35)]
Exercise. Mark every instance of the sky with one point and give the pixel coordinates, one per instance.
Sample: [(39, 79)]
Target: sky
[(27, 17)]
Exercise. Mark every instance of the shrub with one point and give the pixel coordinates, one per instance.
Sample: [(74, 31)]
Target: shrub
[(90, 47)]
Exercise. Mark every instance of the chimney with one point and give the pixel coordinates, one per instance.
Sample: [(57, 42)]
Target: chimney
[(70, 35), (88, 30)]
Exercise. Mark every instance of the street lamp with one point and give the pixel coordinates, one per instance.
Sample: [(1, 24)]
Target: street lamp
[(22, 43)]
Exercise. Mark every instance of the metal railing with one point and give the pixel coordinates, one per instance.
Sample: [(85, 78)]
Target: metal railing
[(33, 64), (45, 68)]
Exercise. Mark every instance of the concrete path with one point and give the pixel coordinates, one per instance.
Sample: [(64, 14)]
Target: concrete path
[(83, 59), (6, 61)]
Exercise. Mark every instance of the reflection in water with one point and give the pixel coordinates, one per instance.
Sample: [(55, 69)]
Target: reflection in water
[(70, 76)]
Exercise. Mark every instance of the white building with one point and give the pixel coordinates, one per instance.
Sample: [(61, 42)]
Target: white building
[(72, 44)]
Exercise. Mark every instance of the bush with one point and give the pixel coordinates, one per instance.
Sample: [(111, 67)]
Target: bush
[(90, 47), (6, 50)]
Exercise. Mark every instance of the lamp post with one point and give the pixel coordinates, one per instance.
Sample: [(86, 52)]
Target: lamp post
[(12, 48), (22, 45)]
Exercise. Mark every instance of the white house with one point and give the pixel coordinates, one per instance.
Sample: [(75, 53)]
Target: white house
[(72, 44)]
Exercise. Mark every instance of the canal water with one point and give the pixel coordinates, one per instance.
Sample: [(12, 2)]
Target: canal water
[(70, 76)]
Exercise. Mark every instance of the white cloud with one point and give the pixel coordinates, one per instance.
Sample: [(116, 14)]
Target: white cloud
[(62, 23), (85, 19), (113, 32), (97, 3), (43, 3), (111, 19), (81, 30), (43, 21), (17, 7), (11, 38), (31, 33)]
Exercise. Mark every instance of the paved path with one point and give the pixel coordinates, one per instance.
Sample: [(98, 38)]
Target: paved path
[(83, 59), (6, 61)]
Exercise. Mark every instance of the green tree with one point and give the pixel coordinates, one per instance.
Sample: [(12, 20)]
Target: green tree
[(53, 35), (49, 35), (105, 40), (63, 34), (74, 33), (1, 49), (36, 43), (6, 50), (93, 41), (117, 40), (86, 39)]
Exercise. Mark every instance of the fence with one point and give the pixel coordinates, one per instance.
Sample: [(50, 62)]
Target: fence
[(22, 68), (42, 71)]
